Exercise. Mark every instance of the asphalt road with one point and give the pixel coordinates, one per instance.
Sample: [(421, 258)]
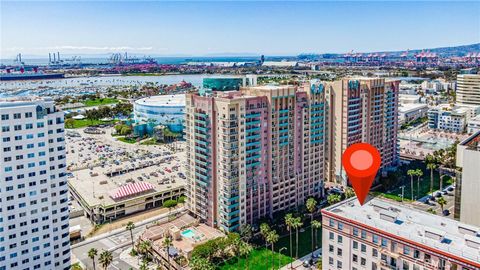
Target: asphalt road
[(115, 241)]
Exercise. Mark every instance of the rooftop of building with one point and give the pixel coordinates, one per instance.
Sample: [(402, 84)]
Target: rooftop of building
[(403, 221), (186, 233), (408, 107), (100, 185), (163, 101), (14, 101), (472, 142)]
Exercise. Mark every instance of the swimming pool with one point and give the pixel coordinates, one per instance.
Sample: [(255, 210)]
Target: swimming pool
[(188, 233)]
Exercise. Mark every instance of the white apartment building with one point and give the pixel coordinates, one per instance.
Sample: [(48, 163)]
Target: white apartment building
[(468, 89), (453, 119), (388, 235), (34, 215), (473, 125), (468, 182)]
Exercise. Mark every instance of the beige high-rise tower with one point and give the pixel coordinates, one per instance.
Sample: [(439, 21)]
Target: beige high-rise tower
[(361, 110)]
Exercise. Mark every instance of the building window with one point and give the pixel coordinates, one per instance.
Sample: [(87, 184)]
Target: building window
[(340, 239), (375, 238), (355, 245), (384, 242)]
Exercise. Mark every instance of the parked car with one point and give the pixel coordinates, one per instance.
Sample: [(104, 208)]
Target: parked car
[(446, 212)]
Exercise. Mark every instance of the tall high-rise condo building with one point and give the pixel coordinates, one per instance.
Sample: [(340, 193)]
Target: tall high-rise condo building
[(34, 216), (468, 89), (254, 152), (361, 110)]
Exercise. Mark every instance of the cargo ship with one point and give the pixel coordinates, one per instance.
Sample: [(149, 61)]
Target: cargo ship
[(33, 74), (23, 72)]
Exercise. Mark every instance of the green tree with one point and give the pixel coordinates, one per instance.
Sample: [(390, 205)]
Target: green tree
[(264, 230), (144, 265), (130, 226), (144, 248), (69, 123), (91, 254), (246, 232), (431, 211), (169, 204), (411, 173), (349, 193), (311, 205), (319, 263), (316, 225), (333, 199), (431, 167), (296, 224), (272, 238), (167, 242), (199, 263), (244, 250), (441, 201), (106, 258), (76, 266), (289, 222), (418, 173)]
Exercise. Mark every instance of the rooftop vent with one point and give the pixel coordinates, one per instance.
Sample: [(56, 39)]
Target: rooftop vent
[(434, 234), (388, 215), (379, 206), (468, 230), (472, 241)]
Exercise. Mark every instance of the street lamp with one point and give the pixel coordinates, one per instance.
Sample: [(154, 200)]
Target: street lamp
[(280, 255)]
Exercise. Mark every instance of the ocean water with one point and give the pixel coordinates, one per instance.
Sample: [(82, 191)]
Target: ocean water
[(160, 60)]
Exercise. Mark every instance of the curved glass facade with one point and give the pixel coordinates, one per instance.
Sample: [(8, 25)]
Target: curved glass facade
[(172, 117)]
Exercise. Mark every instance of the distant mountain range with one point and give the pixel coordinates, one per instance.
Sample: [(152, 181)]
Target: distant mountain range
[(443, 51)]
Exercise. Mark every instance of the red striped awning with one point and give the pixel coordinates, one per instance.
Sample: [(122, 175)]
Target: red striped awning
[(131, 189)]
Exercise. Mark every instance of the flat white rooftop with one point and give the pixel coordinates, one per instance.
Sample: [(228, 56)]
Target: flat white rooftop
[(163, 101), (410, 107), (436, 232)]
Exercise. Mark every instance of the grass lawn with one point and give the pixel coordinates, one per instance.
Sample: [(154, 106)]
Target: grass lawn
[(127, 140), (259, 259), (100, 101), (304, 242), (86, 123)]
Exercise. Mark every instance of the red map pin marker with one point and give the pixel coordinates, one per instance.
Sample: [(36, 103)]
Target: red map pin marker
[(361, 162)]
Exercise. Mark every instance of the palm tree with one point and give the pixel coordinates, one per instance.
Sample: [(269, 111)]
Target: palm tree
[(316, 225), (411, 173), (289, 223), (311, 205), (144, 265), (91, 254), (244, 250), (297, 223), (272, 238), (167, 242), (431, 167), (264, 230), (441, 201), (418, 173), (106, 258), (144, 248), (130, 227)]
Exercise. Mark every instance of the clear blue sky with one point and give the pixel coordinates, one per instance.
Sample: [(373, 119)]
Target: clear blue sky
[(200, 28)]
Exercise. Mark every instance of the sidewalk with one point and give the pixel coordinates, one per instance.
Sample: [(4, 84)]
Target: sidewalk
[(298, 264)]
